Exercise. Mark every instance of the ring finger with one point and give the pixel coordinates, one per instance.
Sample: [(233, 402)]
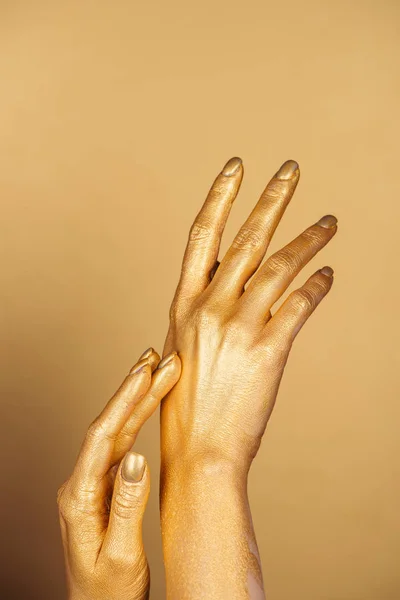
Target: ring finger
[(277, 273)]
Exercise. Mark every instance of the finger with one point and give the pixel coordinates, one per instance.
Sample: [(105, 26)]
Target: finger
[(278, 272), (123, 539), (205, 234), (297, 308), (250, 244), (153, 358), (164, 378), (94, 459), (83, 499)]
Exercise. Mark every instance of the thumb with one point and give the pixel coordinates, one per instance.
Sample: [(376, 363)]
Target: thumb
[(123, 539)]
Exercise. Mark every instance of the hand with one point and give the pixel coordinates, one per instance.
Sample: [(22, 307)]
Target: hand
[(101, 505), (233, 352)]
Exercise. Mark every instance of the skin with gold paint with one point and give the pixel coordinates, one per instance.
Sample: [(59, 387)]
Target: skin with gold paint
[(102, 503), (233, 354)]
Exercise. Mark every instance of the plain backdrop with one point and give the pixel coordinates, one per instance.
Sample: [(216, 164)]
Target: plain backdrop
[(115, 118)]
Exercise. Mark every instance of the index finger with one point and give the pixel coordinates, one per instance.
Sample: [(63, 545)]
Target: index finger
[(205, 234)]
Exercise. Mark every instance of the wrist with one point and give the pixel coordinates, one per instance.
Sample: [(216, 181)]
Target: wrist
[(201, 477), (203, 462)]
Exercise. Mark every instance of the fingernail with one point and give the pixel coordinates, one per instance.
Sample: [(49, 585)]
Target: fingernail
[(167, 359), (287, 170), (133, 467), (328, 221), (232, 166), (147, 353), (139, 367), (327, 271)]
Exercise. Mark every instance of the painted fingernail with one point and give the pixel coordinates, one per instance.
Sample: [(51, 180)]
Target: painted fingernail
[(139, 366), (328, 221), (133, 467), (147, 353), (327, 271), (287, 170), (167, 359), (232, 166)]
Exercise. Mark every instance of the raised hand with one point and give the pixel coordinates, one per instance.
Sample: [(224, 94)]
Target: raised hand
[(233, 355)]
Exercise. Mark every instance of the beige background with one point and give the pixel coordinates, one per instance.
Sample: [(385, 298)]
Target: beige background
[(115, 117)]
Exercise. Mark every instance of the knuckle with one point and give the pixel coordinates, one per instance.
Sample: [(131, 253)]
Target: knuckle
[(60, 492), (287, 260), (234, 330), (205, 317), (314, 237), (127, 560), (97, 430), (94, 430), (248, 238), (74, 502), (269, 350), (237, 329), (66, 509), (179, 303), (117, 557), (275, 350), (124, 503), (180, 307), (200, 230), (305, 299)]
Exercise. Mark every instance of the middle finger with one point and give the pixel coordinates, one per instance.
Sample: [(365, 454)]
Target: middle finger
[(250, 244)]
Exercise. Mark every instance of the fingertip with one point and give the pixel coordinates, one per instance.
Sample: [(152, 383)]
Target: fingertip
[(328, 222), (167, 374), (154, 360), (289, 170), (170, 364), (141, 367), (146, 353), (325, 278), (169, 359), (232, 167), (327, 271), (151, 356)]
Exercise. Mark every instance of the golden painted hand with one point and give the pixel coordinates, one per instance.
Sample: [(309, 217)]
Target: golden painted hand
[(233, 353), (101, 505)]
